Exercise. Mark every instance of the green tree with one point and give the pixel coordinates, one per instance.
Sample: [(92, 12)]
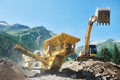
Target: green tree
[(116, 55), (106, 55)]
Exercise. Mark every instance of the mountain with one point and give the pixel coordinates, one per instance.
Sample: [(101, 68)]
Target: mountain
[(35, 37), (6, 47), (109, 44), (13, 29), (18, 26), (3, 24), (102, 44), (30, 38)]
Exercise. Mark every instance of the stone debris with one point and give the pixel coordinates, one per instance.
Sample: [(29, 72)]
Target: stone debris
[(84, 70), (92, 70), (71, 70)]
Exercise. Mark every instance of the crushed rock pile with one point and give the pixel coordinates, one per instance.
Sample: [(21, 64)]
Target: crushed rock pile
[(10, 71), (84, 70), (91, 70)]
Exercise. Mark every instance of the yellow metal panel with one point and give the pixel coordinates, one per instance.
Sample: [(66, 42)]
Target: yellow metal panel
[(62, 35), (93, 55)]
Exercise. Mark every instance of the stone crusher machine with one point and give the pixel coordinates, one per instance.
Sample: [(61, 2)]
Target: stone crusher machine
[(55, 50), (101, 16)]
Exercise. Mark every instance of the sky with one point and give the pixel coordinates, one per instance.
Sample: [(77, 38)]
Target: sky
[(68, 16)]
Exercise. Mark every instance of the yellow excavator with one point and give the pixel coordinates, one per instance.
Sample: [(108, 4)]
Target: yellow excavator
[(102, 16), (55, 50)]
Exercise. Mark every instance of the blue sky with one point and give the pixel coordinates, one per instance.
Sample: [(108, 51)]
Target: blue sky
[(69, 16)]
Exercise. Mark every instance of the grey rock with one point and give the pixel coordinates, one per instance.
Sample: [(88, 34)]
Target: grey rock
[(74, 76)]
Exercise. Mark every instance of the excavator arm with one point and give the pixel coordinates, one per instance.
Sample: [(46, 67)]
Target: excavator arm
[(102, 16), (87, 38)]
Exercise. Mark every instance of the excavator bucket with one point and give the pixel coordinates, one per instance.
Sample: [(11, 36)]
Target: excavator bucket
[(103, 16)]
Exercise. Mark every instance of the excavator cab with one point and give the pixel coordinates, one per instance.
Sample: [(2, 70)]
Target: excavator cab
[(92, 50)]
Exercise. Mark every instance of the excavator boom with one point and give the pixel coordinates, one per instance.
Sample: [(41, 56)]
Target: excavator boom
[(102, 16)]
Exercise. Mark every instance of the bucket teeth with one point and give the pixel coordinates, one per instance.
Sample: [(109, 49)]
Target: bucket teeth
[(106, 24), (103, 16)]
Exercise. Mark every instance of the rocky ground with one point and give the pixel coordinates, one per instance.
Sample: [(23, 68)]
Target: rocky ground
[(71, 70), (10, 71)]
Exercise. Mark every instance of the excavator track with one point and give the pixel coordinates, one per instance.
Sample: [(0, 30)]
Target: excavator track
[(85, 58)]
